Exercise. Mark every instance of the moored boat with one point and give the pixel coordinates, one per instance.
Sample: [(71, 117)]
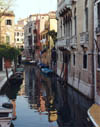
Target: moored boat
[(5, 117), (47, 71), (6, 110)]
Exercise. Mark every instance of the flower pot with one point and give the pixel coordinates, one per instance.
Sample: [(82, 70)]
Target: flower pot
[(7, 63)]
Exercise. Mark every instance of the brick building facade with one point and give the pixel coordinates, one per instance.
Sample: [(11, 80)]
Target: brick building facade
[(75, 44)]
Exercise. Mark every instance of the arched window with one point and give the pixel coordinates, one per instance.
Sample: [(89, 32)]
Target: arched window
[(61, 26), (75, 22), (86, 15)]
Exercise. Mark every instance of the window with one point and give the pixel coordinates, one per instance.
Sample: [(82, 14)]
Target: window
[(64, 20), (17, 33), (75, 21), (7, 39), (17, 39), (86, 15), (86, 20), (99, 61), (85, 60), (8, 22), (29, 30), (61, 27), (73, 59), (98, 13)]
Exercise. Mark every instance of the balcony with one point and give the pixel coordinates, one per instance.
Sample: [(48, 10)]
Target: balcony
[(63, 42), (73, 42), (84, 39), (98, 27)]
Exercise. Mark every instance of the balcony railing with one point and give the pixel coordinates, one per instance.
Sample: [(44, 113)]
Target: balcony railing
[(64, 41), (84, 38), (73, 42), (73, 39), (98, 27)]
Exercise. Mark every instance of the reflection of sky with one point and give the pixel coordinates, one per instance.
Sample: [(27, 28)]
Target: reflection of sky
[(3, 99), (36, 111), (24, 8), (29, 118)]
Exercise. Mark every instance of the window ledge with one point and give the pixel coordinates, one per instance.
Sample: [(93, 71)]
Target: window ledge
[(85, 69)]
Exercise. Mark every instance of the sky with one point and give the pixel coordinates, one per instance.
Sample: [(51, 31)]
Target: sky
[(23, 8)]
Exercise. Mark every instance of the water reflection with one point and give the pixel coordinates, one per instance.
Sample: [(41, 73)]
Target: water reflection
[(40, 96), (11, 92), (65, 105), (14, 109)]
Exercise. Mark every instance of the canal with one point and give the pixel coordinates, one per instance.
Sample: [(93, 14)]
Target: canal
[(41, 101)]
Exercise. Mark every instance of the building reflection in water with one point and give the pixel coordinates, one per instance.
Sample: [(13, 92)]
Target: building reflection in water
[(11, 91), (40, 94), (42, 107), (14, 109), (48, 97)]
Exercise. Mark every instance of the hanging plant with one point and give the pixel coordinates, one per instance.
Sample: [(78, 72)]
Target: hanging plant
[(53, 35), (8, 52)]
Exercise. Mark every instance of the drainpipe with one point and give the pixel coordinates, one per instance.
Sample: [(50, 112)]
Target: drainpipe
[(95, 84), (94, 57)]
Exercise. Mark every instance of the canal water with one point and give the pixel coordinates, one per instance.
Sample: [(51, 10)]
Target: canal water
[(41, 101)]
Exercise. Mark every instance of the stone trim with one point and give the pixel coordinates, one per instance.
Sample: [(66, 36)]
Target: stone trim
[(83, 87)]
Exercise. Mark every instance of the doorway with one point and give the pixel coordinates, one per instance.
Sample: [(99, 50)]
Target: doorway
[(1, 64)]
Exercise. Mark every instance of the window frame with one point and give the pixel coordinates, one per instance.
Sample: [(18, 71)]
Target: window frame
[(18, 34), (9, 22), (74, 59), (98, 61), (83, 62), (86, 16), (18, 40)]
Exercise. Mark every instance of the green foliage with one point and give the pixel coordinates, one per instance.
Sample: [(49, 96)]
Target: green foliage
[(21, 49), (53, 35), (9, 52)]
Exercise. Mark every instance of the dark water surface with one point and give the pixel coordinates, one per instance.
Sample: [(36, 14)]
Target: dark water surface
[(43, 102)]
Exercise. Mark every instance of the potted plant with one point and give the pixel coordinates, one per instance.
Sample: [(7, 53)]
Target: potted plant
[(9, 54)]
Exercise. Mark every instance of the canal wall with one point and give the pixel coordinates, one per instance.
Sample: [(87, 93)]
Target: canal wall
[(3, 78), (81, 86)]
